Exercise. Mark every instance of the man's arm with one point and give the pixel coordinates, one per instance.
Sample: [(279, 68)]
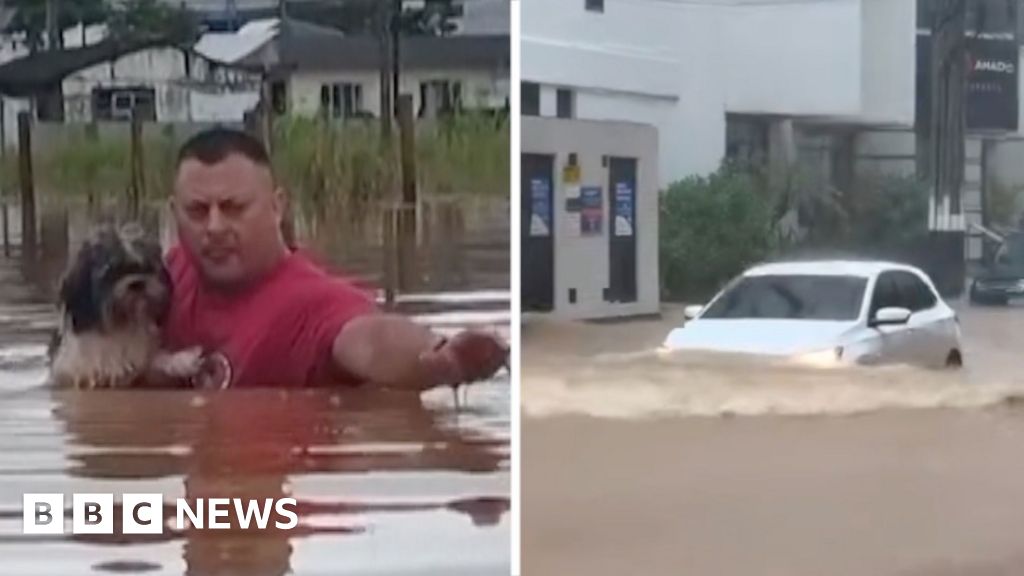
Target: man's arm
[(394, 351)]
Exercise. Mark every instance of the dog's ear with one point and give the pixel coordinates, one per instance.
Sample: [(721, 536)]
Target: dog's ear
[(77, 291)]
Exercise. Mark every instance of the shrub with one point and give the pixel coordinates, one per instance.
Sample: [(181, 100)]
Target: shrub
[(710, 230)]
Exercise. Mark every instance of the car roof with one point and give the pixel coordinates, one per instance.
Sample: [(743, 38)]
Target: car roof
[(863, 268)]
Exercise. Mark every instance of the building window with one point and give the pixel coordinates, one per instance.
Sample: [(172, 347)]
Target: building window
[(120, 103), (566, 103), (530, 98), (440, 98), (341, 100), (594, 5), (279, 97), (746, 139)]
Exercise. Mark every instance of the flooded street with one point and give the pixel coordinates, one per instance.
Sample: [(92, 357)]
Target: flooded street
[(727, 466), (386, 483)]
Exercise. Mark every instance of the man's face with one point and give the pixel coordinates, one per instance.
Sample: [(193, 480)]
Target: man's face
[(228, 216)]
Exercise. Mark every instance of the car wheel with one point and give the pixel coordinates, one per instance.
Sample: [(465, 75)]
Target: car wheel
[(954, 359)]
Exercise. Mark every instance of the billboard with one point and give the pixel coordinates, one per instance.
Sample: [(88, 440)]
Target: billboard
[(993, 62)]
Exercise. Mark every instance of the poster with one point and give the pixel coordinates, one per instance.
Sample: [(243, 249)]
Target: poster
[(571, 182), (572, 224), (623, 209), (540, 207), (592, 211), (992, 82)]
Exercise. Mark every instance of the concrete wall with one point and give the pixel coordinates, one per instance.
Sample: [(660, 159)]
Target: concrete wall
[(682, 66), (582, 262), (889, 152), (796, 58), (888, 61)]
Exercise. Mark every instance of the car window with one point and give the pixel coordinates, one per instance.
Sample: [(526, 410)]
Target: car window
[(794, 297), (915, 293), (887, 293)]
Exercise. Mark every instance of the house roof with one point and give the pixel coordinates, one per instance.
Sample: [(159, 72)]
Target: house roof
[(230, 47), (299, 49), (39, 71)]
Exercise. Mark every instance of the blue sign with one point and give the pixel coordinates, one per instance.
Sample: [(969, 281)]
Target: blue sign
[(624, 209), (540, 207), (592, 212)]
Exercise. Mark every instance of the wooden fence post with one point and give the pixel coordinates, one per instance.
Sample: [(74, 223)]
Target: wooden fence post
[(28, 194), (407, 214), (138, 178)]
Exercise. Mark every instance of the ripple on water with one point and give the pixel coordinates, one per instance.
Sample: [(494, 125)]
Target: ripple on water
[(650, 385)]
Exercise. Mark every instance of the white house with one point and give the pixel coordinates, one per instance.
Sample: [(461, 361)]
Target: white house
[(167, 84), (312, 69), (696, 69)]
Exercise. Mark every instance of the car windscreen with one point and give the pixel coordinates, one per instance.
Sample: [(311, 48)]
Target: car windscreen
[(795, 297)]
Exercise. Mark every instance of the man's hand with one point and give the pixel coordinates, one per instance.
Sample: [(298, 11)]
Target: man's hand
[(467, 357), (394, 351)]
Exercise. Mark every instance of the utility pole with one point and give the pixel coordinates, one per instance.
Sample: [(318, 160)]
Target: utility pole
[(231, 8), (947, 125), (945, 136), (396, 54), (384, 36), (51, 101), (52, 29)]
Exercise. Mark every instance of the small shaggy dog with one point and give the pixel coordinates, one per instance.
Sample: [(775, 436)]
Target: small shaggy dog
[(113, 300)]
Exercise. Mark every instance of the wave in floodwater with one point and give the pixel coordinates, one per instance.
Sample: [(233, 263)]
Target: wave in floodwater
[(651, 385)]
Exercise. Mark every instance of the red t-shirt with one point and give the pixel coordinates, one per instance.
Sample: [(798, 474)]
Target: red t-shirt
[(277, 333)]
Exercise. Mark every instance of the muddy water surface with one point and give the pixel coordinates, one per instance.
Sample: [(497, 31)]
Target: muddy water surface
[(705, 465)]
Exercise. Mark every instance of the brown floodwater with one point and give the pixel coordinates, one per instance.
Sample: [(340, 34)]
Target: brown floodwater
[(385, 483), (635, 462)]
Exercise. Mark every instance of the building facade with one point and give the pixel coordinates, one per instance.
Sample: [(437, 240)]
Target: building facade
[(690, 68), (589, 218)]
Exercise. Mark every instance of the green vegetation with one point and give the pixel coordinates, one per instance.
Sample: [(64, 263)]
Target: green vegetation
[(334, 172), (712, 228)]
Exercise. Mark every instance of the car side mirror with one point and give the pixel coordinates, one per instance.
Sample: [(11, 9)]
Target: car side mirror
[(890, 317), (692, 311)]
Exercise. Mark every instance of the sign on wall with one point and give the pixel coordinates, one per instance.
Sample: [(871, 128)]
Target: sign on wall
[(540, 207), (992, 85), (623, 209), (992, 82), (592, 211)]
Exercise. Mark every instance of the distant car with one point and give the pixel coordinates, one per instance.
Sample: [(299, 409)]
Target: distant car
[(1003, 279), (827, 313)]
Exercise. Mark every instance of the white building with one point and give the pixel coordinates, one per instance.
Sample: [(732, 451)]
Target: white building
[(167, 84), (690, 68), (312, 69)]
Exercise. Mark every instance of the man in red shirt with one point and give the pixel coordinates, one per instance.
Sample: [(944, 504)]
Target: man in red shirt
[(267, 316)]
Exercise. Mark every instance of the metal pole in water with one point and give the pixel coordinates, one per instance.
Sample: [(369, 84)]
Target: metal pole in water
[(407, 216), (4, 214), (28, 194)]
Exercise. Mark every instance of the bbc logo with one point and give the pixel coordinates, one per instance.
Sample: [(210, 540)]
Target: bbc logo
[(144, 513), (93, 514)]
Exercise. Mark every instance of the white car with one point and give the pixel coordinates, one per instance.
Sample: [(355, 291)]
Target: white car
[(825, 313)]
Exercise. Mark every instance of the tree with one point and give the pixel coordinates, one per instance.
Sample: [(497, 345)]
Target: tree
[(152, 19), (435, 18), (30, 17), (356, 17)]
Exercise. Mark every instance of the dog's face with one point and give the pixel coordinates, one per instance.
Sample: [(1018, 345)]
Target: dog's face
[(117, 280)]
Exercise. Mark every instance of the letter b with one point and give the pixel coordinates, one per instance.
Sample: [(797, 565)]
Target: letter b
[(43, 513), (92, 514)]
